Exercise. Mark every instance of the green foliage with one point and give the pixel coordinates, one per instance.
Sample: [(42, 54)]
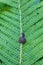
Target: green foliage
[(32, 24)]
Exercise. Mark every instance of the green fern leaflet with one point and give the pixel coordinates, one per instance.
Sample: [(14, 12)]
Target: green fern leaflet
[(32, 26)]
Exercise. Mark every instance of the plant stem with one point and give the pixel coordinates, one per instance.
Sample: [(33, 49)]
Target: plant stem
[(20, 33)]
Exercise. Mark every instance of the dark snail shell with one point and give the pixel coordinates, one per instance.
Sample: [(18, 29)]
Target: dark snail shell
[(22, 39)]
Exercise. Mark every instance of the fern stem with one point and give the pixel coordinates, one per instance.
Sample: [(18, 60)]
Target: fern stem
[(20, 33), (20, 54)]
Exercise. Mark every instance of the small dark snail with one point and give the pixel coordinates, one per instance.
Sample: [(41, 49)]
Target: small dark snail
[(22, 39)]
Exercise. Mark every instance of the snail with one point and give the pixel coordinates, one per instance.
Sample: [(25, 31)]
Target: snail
[(22, 39)]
